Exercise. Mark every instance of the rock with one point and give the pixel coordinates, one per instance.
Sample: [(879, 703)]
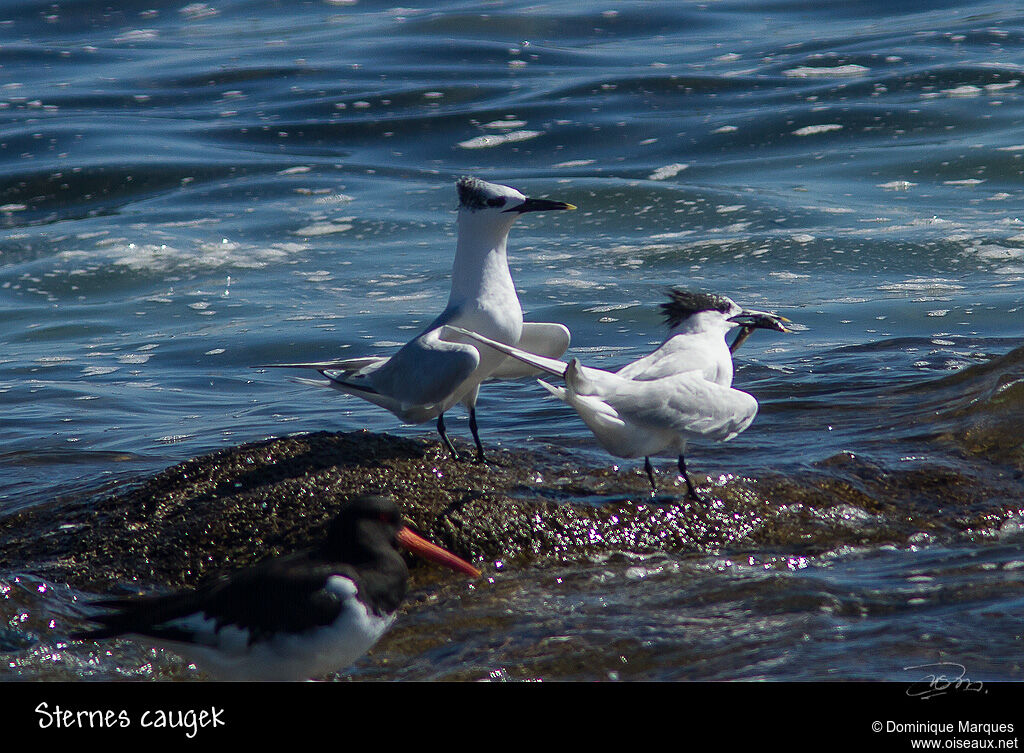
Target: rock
[(233, 507)]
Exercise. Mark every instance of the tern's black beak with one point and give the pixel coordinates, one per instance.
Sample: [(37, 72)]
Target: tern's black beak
[(540, 205), (760, 320)]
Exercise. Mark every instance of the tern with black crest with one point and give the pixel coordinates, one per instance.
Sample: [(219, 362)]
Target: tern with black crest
[(434, 371), (681, 391)]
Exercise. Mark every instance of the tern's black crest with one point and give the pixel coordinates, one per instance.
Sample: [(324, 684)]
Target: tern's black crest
[(477, 194), (683, 304)]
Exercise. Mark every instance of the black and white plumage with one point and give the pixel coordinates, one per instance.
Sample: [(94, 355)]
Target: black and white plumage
[(433, 372), (288, 618), (681, 391)]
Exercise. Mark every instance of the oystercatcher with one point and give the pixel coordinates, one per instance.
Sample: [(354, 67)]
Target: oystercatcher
[(294, 617)]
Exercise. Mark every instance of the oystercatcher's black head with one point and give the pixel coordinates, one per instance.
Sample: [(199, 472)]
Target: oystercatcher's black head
[(365, 528), (369, 528)]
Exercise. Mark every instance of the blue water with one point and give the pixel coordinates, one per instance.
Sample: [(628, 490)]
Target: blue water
[(189, 192)]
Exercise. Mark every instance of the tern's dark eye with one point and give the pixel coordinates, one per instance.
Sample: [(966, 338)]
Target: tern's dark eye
[(497, 201)]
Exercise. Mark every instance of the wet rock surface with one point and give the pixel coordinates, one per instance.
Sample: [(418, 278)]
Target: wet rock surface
[(236, 506)]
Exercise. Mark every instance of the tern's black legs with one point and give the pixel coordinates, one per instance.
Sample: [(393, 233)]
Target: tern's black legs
[(476, 435), (444, 437), (690, 489), (650, 474), (472, 427), (689, 484)]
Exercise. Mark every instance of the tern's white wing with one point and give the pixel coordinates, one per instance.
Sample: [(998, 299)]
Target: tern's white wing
[(546, 339), (365, 364), (417, 383), (689, 404), (634, 418), (705, 353), (615, 435), (348, 365), (537, 362)]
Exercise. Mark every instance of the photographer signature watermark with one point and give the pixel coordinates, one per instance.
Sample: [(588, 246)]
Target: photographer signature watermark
[(940, 678)]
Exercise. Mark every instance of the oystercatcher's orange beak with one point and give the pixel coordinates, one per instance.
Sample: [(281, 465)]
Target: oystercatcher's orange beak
[(423, 548)]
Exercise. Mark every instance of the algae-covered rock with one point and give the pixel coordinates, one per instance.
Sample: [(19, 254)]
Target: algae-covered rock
[(236, 506)]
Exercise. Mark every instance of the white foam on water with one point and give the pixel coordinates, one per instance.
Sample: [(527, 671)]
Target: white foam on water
[(813, 130), (668, 171), (838, 71), (324, 228), (490, 140)]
